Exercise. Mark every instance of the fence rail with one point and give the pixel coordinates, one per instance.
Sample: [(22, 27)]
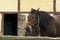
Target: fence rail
[(29, 38), (25, 12)]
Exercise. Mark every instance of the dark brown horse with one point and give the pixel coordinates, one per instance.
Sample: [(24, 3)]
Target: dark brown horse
[(42, 23)]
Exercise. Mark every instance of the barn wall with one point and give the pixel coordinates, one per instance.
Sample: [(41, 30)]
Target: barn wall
[(8, 5), (45, 5), (0, 22), (58, 5)]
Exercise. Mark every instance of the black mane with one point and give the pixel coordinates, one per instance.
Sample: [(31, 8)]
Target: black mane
[(44, 18)]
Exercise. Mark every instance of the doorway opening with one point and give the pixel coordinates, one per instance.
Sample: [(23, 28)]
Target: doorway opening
[(10, 24)]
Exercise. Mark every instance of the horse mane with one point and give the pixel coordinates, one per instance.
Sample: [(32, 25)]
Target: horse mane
[(44, 18)]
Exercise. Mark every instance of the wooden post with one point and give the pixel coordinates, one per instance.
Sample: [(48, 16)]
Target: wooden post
[(54, 7), (18, 9), (18, 6)]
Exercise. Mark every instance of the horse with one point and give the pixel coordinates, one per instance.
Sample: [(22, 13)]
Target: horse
[(41, 23)]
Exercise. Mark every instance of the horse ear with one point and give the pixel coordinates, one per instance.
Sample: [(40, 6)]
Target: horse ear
[(32, 10), (38, 9), (36, 12)]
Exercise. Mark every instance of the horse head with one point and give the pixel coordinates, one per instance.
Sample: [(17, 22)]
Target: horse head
[(33, 20)]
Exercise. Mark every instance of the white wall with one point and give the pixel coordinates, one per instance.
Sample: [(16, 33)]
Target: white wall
[(8, 5), (58, 5), (45, 5), (0, 21)]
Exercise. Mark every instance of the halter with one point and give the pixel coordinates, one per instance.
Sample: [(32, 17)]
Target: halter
[(38, 17), (38, 20), (38, 23)]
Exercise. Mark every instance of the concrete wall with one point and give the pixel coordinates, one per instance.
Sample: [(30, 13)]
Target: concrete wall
[(22, 20)]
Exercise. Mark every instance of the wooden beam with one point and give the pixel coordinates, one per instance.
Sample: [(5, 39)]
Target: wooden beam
[(8, 12), (18, 6), (54, 6)]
